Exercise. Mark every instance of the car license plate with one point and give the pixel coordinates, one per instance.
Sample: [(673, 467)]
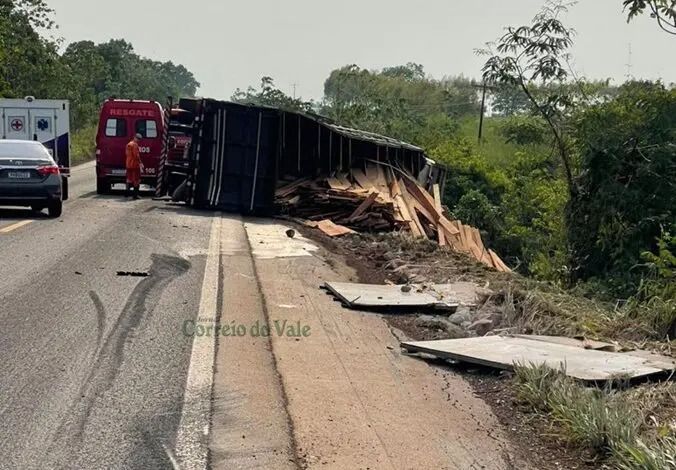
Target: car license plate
[(19, 174)]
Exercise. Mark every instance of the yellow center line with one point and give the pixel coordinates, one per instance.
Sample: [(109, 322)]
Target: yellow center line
[(11, 228)]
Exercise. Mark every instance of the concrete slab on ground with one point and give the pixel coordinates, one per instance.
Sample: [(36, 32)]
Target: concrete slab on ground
[(503, 352), (373, 296)]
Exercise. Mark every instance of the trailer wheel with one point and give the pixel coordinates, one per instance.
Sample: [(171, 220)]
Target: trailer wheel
[(102, 186), (180, 193)]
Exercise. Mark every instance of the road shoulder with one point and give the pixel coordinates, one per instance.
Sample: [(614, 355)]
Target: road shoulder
[(250, 426), (354, 400)]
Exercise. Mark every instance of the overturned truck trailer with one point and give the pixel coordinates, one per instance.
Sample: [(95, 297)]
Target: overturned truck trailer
[(240, 154)]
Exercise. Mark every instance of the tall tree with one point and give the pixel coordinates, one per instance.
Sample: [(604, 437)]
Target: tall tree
[(532, 56), (29, 62), (628, 183), (399, 101), (663, 11), (86, 73)]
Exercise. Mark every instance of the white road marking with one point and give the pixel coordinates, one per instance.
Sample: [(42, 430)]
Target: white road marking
[(171, 457), (192, 439), (11, 228)]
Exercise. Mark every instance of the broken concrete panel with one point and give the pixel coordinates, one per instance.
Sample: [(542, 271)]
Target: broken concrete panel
[(503, 352), (375, 296)]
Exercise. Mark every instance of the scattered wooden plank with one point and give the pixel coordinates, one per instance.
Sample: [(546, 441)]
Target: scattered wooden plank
[(289, 189), (423, 211), (464, 243), (485, 256), (362, 180), (437, 206), (364, 205), (381, 183), (335, 183), (427, 201), (371, 173), (396, 192), (333, 230), (473, 247), (476, 237), (408, 200), (454, 241), (344, 179), (494, 260), (498, 263), (448, 226), (376, 199), (420, 194)]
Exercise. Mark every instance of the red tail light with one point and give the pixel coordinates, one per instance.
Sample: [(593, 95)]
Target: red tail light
[(48, 170)]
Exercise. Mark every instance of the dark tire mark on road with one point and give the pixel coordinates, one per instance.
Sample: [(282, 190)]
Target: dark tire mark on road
[(100, 318), (141, 303)]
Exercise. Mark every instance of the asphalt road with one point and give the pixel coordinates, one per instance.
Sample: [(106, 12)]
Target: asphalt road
[(93, 365), (96, 371)]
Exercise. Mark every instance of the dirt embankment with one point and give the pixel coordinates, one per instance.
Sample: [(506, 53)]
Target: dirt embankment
[(504, 303)]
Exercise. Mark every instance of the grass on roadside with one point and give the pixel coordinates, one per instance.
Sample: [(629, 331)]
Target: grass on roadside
[(493, 147), (83, 145), (535, 307), (632, 429)]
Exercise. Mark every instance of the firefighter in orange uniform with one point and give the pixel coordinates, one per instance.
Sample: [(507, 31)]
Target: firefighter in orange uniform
[(134, 165)]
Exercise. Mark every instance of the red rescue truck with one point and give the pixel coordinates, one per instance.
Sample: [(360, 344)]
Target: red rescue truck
[(120, 120)]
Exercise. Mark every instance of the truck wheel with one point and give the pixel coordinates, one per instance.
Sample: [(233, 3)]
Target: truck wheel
[(55, 208), (180, 193), (102, 186)]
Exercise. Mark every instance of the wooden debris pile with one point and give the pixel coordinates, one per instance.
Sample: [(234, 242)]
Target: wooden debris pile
[(381, 199)]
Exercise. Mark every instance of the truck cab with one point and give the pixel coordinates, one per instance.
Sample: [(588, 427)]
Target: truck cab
[(119, 121)]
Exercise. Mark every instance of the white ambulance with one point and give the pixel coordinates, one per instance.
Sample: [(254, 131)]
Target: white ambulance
[(45, 121)]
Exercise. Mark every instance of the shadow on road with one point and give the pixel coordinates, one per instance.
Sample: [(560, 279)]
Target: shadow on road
[(21, 213)]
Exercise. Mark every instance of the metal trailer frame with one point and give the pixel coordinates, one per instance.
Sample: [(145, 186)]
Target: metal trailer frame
[(240, 153)]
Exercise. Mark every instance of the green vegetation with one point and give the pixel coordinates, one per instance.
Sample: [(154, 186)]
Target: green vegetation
[(663, 11), (602, 229), (83, 144), (85, 73), (572, 182), (630, 428)]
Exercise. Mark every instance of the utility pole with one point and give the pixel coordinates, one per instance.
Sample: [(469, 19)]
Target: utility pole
[(483, 111), (294, 85)]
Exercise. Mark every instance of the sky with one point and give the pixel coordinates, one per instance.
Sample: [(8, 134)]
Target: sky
[(232, 44)]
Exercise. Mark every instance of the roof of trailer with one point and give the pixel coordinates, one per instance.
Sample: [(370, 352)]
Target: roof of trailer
[(348, 132), (371, 137)]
